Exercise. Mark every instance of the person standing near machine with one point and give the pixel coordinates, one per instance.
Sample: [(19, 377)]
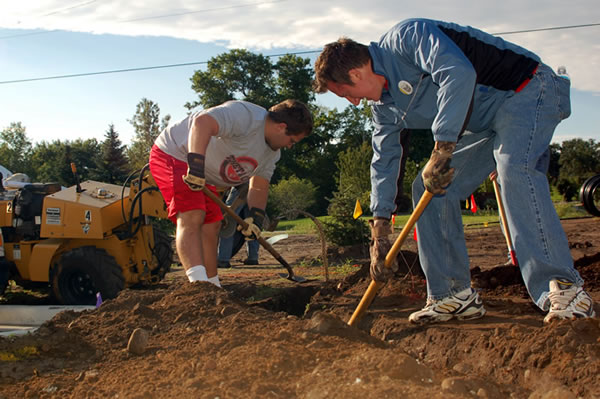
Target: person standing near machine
[(223, 146)]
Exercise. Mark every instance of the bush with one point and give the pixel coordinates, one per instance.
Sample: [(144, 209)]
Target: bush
[(567, 188), (290, 196), (343, 229)]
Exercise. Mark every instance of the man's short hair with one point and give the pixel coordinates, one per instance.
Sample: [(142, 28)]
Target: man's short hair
[(336, 60), (295, 114)]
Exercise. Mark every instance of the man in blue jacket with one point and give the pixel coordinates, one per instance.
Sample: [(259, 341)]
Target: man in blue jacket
[(490, 105)]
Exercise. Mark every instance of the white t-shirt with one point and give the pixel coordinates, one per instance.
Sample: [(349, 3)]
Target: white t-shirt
[(238, 152)]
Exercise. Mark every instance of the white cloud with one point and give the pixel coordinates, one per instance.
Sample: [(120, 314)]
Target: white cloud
[(264, 24)]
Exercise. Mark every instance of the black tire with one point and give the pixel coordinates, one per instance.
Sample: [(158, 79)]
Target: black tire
[(4, 275), (82, 272), (588, 195), (163, 252)]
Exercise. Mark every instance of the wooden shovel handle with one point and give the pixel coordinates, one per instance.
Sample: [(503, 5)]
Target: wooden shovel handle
[(244, 225), (502, 212)]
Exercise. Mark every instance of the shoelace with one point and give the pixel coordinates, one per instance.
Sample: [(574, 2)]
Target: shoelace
[(561, 299), (431, 302)]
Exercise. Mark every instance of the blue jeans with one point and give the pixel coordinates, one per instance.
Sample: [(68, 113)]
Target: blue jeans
[(519, 135), (226, 247)]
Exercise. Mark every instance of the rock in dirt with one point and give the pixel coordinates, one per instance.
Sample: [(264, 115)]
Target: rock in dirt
[(329, 324), (455, 385), (138, 341), (325, 323)]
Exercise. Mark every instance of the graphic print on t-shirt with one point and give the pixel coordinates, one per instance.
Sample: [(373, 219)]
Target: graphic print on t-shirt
[(237, 170)]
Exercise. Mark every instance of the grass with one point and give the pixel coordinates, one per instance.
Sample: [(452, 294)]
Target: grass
[(18, 354), (344, 269), (300, 226), (565, 210)]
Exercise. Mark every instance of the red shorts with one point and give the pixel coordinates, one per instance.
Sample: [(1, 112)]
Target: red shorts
[(168, 173)]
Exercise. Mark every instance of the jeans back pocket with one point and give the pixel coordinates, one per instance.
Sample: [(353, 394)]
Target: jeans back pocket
[(563, 91)]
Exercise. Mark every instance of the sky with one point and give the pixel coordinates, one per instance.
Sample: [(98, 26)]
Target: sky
[(44, 41)]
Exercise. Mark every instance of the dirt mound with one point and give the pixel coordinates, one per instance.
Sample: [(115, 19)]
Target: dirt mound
[(266, 337)]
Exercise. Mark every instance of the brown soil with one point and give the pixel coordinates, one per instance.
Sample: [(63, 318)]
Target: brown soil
[(267, 337)]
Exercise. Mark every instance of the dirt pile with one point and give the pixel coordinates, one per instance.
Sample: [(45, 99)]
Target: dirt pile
[(266, 338)]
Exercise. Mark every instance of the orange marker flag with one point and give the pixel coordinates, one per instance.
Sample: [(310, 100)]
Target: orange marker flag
[(393, 220), (357, 210), (415, 234), (473, 204)]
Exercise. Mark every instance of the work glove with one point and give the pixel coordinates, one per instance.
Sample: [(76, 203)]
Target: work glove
[(437, 174), (379, 247), (255, 221), (195, 174)]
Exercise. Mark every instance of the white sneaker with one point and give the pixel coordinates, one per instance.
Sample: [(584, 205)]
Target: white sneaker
[(466, 305), (568, 301)]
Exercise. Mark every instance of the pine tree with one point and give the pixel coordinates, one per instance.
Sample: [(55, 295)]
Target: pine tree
[(112, 166)]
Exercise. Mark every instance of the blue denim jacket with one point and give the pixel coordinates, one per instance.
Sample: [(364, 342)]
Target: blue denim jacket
[(436, 71)]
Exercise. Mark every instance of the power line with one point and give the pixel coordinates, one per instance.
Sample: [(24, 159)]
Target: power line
[(143, 18), (202, 11), (68, 8), (46, 15), (29, 34), (269, 56), (545, 29), (75, 75)]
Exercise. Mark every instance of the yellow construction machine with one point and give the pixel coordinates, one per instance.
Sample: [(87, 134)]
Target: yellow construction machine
[(91, 238)]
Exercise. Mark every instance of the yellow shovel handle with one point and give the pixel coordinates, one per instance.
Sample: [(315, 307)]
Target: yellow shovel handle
[(369, 295)]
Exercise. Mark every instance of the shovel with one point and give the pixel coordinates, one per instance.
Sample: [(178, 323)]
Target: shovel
[(369, 295), (260, 239), (511, 249)]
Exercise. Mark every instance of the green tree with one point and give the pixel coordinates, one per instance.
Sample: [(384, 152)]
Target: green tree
[(242, 75), (238, 74), (343, 229), (51, 162), (354, 172), (15, 149), (44, 161), (112, 165), (554, 166), (579, 159), (353, 184), (334, 132), (293, 79), (147, 125), (290, 196)]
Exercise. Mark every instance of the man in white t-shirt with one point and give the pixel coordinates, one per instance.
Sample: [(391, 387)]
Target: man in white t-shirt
[(221, 147)]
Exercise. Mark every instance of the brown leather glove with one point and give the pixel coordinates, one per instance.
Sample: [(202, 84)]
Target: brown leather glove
[(379, 248), (437, 173)]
